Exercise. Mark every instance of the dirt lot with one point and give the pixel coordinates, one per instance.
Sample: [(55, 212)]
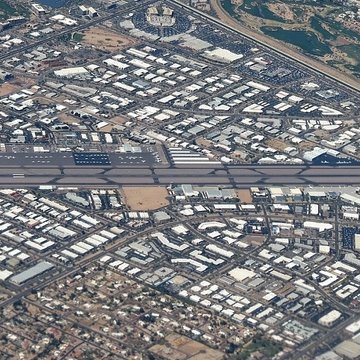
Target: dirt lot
[(6, 89), (118, 120), (244, 195), (305, 145), (180, 347), (114, 121), (255, 240), (68, 119), (106, 39), (277, 144), (203, 142), (145, 198), (107, 128)]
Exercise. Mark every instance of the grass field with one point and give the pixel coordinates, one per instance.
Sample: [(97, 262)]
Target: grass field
[(305, 40), (7, 10), (77, 37), (230, 8), (313, 28), (268, 348), (352, 50), (317, 25), (259, 9)]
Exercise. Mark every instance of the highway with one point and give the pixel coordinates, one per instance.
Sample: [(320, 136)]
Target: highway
[(236, 175), (277, 47), (127, 8), (124, 9)]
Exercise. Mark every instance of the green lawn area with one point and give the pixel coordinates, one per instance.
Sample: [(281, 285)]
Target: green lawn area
[(267, 347), (259, 9), (334, 62), (77, 37), (340, 29), (352, 51), (316, 24), (229, 7), (7, 10), (354, 69), (306, 40)]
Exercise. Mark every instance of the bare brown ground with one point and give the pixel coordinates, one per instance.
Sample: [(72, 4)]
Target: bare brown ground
[(283, 48), (244, 195), (118, 120), (350, 24), (25, 81), (106, 39), (203, 142), (68, 119), (255, 240), (6, 89), (339, 41), (282, 10), (305, 145), (145, 198), (179, 347), (106, 128), (277, 144)]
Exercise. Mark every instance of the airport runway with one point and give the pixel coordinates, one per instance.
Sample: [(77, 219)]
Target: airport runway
[(237, 175)]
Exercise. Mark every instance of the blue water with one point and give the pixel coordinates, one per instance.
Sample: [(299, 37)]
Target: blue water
[(53, 3)]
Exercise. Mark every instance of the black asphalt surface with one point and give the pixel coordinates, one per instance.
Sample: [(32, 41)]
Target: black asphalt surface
[(123, 174)]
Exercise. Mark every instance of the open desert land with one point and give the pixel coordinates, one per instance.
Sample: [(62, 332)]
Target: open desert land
[(7, 88), (14, 85), (145, 198), (68, 119), (105, 39), (179, 347), (244, 195), (118, 120), (114, 121)]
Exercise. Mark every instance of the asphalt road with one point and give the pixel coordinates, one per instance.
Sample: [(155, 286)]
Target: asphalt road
[(124, 9), (344, 79), (237, 175)]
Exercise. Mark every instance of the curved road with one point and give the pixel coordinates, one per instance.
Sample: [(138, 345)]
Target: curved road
[(226, 21)]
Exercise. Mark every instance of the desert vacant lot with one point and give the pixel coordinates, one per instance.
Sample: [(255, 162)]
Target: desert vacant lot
[(106, 39), (6, 89), (179, 347), (244, 195), (145, 198)]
